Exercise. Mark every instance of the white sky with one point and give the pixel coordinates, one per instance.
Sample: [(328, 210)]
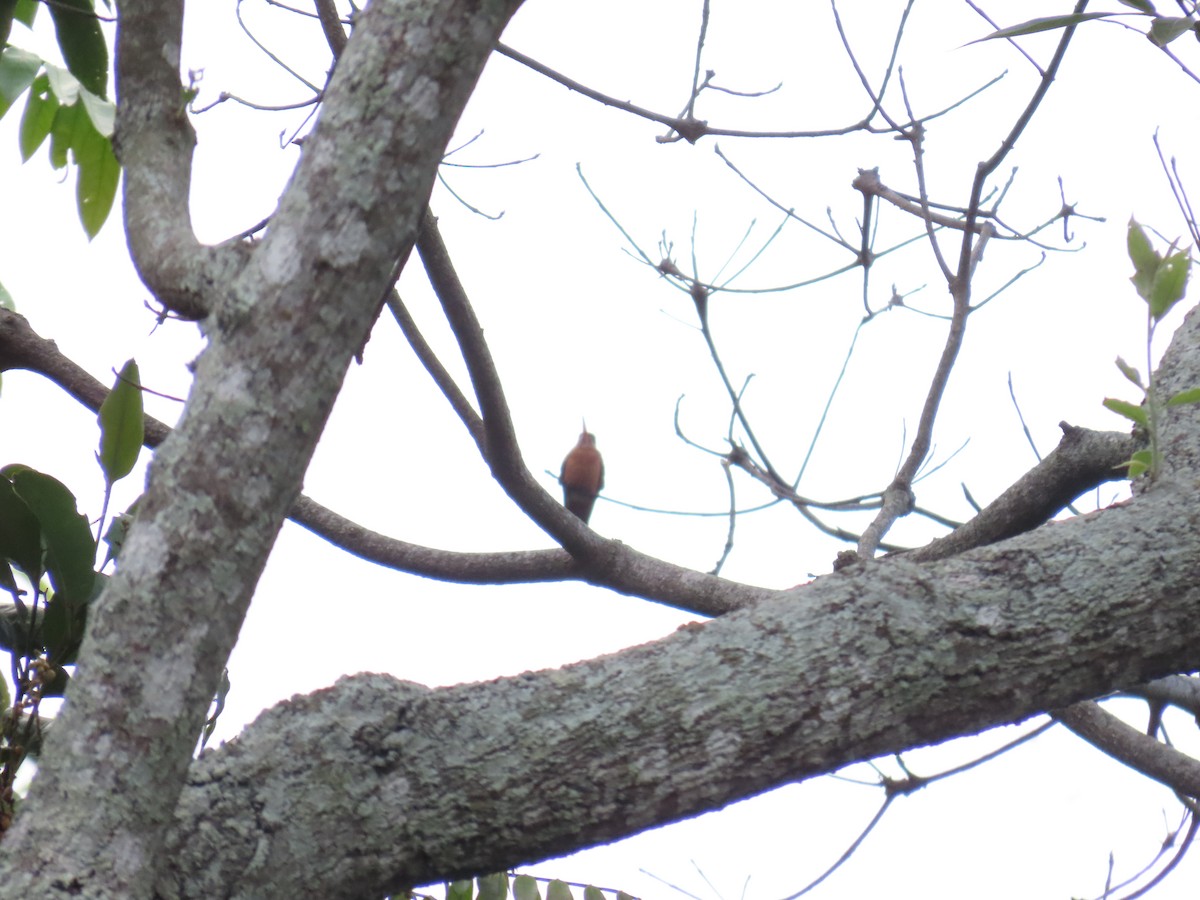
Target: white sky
[(579, 328)]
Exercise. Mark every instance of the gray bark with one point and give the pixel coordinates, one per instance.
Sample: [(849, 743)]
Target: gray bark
[(282, 329), (876, 659), (374, 785)]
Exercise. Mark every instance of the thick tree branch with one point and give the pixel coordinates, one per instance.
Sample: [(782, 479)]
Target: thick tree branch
[(1177, 690), (154, 141), (222, 484), (1082, 460), (883, 657), (878, 658)]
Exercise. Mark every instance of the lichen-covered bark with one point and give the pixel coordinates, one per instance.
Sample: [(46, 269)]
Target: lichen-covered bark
[(282, 329), (373, 784), (391, 784)]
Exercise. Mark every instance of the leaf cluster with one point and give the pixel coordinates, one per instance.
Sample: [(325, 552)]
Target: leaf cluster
[(1161, 31), (523, 887), (1161, 281), (48, 569), (68, 105)]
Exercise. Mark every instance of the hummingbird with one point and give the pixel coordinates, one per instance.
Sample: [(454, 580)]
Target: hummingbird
[(582, 476)]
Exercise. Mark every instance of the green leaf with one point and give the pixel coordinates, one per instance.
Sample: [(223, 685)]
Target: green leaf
[(459, 890), (1127, 409), (99, 175), (72, 129), (1191, 395), (65, 622), (62, 132), (1140, 463), (558, 890), (38, 118), (117, 530), (121, 425), (493, 887), (26, 10), (20, 533), (18, 68), (66, 86), (6, 300), (82, 43), (1140, 5), (1130, 372), (1144, 257), (592, 893), (1047, 23), (70, 549), (103, 113), (7, 10), (1165, 29), (525, 887), (1170, 283), (621, 895)]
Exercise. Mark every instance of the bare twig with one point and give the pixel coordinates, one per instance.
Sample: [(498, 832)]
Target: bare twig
[(22, 348), (898, 497)]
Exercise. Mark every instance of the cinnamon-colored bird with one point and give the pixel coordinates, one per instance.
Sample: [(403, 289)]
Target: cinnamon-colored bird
[(582, 476)]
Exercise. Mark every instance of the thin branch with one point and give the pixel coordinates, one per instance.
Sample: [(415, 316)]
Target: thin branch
[(331, 26), (849, 852), (503, 454), (1012, 41), (441, 377), (898, 498), (1155, 760), (1178, 690), (869, 183), (690, 130), (690, 109), (268, 53), (627, 571), (1082, 460)]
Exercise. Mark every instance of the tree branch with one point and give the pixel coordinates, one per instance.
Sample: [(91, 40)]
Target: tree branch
[(502, 453), (1126, 744), (154, 141), (221, 486), (623, 569), (1082, 460), (883, 657)]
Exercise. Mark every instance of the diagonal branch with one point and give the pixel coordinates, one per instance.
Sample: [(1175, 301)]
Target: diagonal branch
[(1082, 460), (883, 657), (502, 453), (1156, 760), (626, 570)]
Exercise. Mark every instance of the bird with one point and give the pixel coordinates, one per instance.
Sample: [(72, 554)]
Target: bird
[(582, 476)]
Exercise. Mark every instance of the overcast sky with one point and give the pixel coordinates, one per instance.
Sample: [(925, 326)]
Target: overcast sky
[(580, 327)]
